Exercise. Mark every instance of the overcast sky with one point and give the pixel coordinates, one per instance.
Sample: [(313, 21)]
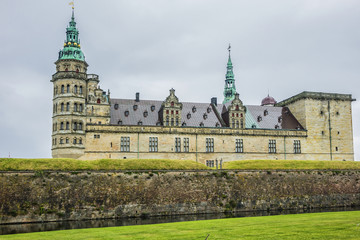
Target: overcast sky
[(281, 46)]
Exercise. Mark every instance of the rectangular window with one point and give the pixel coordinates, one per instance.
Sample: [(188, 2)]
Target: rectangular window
[(239, 147), (186, 144), (297, 146), (177, 144), (153, 144), (272, 146), (125, 144), (210, 163), (209, 145)]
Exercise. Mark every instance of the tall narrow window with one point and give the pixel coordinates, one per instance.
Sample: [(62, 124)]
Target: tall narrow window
[(186, 144), (81, 90), (74, 126), (68, 88), (67, 106), (80, 107), (67, 125), (167, 120), (272, 146), (80, 140), (125, 144), (62, 126), (80, 126), (153, 144), (209, 145), (62, 107), (75, 107), (297, 146), (239, 147), (62, 89), (177, 144)]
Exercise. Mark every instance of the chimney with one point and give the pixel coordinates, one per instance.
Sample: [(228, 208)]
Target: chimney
[(137, 97), (214, 101)]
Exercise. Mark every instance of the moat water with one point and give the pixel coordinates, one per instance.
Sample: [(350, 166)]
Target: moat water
[(52, 226)]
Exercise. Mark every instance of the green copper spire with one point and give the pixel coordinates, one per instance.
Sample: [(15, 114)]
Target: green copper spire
[(72, 46), (229, 89)]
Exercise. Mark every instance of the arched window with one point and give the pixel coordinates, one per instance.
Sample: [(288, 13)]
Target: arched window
[(80, 90), (80, 140), (67, 125), (75, 126), (77, 70), (62, 107), (75, 89), (62, 126), (75, 107), (67, 106), (55, 126), (74, 141), (80, 126), (80, 107), (98, 100), (67, 140), (62, 88), (68, 88), (61, 141)]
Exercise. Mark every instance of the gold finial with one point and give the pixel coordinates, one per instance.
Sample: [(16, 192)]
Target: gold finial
[(72, 3)]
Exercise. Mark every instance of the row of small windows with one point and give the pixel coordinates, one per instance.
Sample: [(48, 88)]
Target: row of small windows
[(235, 123), (66, 89), (172, 121), (78, 107), (66, 126), (67, 141)]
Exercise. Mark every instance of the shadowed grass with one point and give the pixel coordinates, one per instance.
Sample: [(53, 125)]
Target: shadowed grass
[(17, 164), (290, 164), (334, 225)]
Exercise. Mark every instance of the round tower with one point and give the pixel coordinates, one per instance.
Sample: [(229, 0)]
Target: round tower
[(69, 98)]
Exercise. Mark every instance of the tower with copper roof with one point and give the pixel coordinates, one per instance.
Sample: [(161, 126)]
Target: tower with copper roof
[(229, 89)]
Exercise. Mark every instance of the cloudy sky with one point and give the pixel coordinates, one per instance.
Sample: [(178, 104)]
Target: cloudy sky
[(281, 46)]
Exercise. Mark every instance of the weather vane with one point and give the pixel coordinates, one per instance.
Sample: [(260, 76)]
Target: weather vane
[(229, 47), (72, 3)]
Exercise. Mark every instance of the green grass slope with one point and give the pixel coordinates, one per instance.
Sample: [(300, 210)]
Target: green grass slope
[(17, 164), (290, 164), (335, 225)]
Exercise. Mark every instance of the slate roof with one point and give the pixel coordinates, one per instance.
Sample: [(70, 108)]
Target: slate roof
[(265, 117)]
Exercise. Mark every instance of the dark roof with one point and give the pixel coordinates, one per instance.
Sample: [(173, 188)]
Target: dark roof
[(266, 117)]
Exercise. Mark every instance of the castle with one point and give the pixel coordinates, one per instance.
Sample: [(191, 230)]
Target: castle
[(89, 124)]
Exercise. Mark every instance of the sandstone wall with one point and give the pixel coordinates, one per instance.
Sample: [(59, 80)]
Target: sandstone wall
[(51, 196)]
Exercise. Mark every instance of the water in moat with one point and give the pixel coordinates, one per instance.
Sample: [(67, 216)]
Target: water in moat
[(52, 226)]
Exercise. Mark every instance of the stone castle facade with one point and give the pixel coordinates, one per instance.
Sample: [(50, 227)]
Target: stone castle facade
[(89, 124)]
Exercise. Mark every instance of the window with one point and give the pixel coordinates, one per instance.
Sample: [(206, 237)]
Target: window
[(152, 108), (74, 141), (116, 106), (61, 141), (208, 110), (81, 90), (62, 88), (80, 140), (145, 113), (62, 126), (193, 109), (188, 115), (98, 101), (266, 112), (125, 144), (80, 107), (167, 121), (67, 140), (172, 104), (68, 88), (135, 107), (67, 106), (80, 126), (186, 144), (210, 163), (120, 122), (201, 124), (75, 107), (177, 121), (297, 146), (239, 147), (140, 123), (75, 126), (209, 145), (75, 89), (96, 136), (67, 125), (62, 107), (272, 146), (172, 122), (153, 144), (242, 123), (126, 113), (177, 144), (205, 116), (237, 123)]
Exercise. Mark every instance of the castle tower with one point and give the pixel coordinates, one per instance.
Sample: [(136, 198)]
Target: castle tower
[(229, 89), (69, 99)]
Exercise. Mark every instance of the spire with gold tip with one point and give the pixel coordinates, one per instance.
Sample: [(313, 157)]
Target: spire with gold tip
[(72, 48)]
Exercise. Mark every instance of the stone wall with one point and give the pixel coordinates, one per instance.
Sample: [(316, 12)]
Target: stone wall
[(52, 196)]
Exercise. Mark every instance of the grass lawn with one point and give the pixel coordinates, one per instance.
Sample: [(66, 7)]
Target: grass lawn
[(13, 164), (291, 164), (334, 225)]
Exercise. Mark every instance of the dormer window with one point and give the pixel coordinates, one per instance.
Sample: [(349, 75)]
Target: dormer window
[(145, 113), (126, 113), (135, 107), (119, 122), (298, 128), (158, 123), (217, 125), (140, 122), (116, 106), (237, 108), (266, 112), (193, 109), (188, 115), (259, 118), (208, 110), (183, 124), (276, 126), (279, 119), (201, 124), (205, 116), (172, 104), (253, 126), (152, 108)]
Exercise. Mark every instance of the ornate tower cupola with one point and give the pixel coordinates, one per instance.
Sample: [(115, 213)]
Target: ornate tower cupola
[(72, 48), (170, 111), (229, 89)]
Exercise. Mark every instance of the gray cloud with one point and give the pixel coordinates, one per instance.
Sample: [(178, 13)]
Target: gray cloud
[(283, 47)]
